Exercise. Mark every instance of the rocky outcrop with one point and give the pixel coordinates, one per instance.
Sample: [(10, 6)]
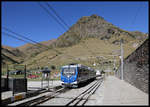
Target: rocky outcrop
[(93, 26)]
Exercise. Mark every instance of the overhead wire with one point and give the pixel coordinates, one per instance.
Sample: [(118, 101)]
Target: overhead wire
[(57, 15), (9, 35), (54, 11), (136, 14), (36, 43), (64, 27), (21, 36), (47, 11)]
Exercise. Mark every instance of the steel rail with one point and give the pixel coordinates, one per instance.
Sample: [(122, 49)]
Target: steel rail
[(86, 92), (42, 99), (92, 92)]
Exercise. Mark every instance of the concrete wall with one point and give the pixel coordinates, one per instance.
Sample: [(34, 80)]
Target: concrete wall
[(136, 67), (3, 84), (15, 84), (19, 85)]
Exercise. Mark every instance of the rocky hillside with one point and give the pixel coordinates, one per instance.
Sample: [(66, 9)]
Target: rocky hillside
[(95, 27), (11, 55), (90, 34)]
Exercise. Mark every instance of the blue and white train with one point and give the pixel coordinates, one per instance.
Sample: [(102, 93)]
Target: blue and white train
[(74, 74)]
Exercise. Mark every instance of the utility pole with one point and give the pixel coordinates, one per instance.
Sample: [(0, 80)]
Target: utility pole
[(114, 65), (7, 77), (121, 59)]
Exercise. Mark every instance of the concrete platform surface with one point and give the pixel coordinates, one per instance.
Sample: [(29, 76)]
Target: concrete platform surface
[(35, 85), (32, 85), (119, 92), (6, 94)]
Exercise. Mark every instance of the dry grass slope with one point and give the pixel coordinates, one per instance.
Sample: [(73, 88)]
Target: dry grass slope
[(86, 52)]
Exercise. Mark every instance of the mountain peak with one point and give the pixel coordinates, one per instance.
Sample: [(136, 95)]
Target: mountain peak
[(90, 19), (96, 16)]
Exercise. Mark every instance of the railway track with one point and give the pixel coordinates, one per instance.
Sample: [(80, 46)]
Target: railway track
[(82, 98), (43, 98)]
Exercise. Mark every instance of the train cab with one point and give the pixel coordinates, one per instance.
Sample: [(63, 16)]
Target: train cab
[(69, 75), (73, 75)]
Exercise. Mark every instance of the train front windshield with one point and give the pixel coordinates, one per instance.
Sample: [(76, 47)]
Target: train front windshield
[(69, 71)]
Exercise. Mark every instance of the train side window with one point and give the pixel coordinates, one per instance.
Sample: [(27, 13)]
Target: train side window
[(85, 72), (79, 72)]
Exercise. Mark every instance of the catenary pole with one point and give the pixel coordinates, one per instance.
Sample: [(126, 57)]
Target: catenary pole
[(121, 59)]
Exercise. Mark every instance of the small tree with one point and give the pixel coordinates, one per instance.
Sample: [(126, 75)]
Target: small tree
[(102, 72), (42, 68), (53, 67)]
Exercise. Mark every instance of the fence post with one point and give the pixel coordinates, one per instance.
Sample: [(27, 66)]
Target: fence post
[(7, 78), (25, 71), (25, 77)]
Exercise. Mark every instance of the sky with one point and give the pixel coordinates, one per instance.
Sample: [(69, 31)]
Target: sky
[(32, 21)]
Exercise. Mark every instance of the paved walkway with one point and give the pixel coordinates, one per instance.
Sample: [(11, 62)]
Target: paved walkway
[(119, 92)]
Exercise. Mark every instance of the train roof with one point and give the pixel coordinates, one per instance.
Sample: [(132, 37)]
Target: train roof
[(72, 65), (77, 65)]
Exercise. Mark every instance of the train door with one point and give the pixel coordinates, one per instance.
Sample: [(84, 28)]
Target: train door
[(79, 75)]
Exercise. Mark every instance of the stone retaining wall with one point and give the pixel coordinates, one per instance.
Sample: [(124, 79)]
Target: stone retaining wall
[(136, 67)]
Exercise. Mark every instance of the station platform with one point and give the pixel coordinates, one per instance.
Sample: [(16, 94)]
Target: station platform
[(112, 91), (34, 88), (36, 85), (119, 92)]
